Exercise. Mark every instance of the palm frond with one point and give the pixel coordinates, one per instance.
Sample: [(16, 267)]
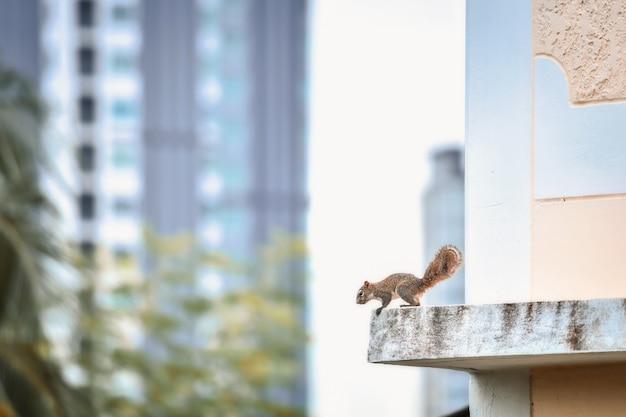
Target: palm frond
[(30, 385), (34, 387)]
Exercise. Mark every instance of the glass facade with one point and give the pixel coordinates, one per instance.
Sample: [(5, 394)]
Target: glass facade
[(223, 104)]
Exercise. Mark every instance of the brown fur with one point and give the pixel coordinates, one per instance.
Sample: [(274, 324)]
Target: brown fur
[(409, 287)]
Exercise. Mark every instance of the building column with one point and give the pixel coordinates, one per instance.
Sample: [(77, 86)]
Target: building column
[(500, 394)]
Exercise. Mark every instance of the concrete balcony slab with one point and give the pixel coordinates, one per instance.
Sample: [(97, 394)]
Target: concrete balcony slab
[(501, 336)]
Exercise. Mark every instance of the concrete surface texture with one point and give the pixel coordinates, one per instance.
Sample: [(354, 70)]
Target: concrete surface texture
[(500, 336)]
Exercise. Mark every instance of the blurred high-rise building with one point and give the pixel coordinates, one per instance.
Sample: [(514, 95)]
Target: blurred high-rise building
[(444, 223), (19, 37), (188, 115)]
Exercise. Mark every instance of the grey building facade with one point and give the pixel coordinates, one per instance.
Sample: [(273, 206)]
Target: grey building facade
[(224, 105), (278, 39), (20, 23), (169, 136)]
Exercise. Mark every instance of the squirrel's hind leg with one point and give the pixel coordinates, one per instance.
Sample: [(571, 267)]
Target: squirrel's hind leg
[(407, 293), (410, 305)]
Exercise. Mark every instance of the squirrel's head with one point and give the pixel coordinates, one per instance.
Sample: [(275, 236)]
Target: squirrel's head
[(364, 294)]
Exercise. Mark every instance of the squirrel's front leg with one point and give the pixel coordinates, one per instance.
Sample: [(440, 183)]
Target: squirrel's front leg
[(386, 299)]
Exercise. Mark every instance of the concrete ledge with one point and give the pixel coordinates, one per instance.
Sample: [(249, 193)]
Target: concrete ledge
[(500, 336)]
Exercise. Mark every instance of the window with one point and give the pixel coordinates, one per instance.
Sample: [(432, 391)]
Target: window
[(233, 131), (209, 67), (236, 177), (123, 207), (87, 203), (124, 155), (86, 60), (213, 131), (86, 158), (214, 43), (207, 18), (87, 249), (212, 184), (86, 13), (123, 109), (235, 88), (122, 62), (232, 39), (233, 232), (213, 91), (122, 255), (213, 234), (122, 13), (87, 109)]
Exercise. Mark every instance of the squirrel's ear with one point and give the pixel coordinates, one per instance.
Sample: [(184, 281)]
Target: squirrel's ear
[(366, 284)]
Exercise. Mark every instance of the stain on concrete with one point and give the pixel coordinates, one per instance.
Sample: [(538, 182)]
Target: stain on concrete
[(493, 335), (508, 319), (575, 334)]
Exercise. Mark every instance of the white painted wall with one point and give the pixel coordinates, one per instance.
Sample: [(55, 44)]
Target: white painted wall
[(498, 151)]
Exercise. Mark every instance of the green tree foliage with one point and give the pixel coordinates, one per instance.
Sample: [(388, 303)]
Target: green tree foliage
[(30, 383), (235, 353), (231, 354)]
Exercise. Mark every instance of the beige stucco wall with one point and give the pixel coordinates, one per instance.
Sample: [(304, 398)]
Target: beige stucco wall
[(578, 248), (578, 204), (578, 216), (587, 39), (578, 392)]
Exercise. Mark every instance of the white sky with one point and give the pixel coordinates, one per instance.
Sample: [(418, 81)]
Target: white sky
[(387, 84)]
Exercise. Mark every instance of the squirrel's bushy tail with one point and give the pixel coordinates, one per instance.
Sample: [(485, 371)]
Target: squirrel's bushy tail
[(446, 262)]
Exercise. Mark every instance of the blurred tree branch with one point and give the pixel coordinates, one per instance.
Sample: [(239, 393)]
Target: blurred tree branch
[(30, 383)]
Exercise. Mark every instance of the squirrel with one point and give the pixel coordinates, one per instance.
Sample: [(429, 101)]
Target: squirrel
[(409, 287)]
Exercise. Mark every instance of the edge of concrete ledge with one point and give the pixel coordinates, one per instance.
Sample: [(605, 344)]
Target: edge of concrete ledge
[(485, 337)]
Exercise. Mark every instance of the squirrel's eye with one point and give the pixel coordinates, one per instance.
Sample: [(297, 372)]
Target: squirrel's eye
[(361, 293)]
